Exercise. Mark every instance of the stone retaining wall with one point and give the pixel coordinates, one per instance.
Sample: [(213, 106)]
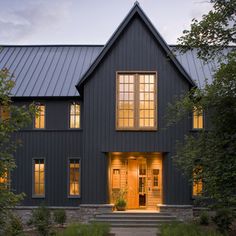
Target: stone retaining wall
[(182, 212), (82, 213)]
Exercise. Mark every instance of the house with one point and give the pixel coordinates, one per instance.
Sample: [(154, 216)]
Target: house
[(101, 128)]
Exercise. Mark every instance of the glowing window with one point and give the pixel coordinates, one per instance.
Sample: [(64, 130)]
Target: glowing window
[(197, 118), (75, 116), (39, 122), (4, 113), (74, 177), (39, 177), (136, 101), (197, 183), (4, 180)]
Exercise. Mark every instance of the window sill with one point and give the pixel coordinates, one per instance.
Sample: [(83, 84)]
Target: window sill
[(38, 196), (75, 196)]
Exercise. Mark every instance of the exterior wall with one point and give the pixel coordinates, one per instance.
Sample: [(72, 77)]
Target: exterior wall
[(56, 143), (135, 50)]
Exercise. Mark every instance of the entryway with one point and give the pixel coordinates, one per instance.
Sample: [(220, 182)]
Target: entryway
[(138, 176)]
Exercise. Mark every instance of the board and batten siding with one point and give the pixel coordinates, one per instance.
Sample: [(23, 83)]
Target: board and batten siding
[(135, 50)]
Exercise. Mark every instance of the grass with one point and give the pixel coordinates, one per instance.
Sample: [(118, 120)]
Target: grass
[(94, 229), (187, 229)]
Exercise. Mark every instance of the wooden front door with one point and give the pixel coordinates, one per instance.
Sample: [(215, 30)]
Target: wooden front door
[(132, 193)]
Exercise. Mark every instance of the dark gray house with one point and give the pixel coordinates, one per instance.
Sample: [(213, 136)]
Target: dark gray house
[(101, 128)]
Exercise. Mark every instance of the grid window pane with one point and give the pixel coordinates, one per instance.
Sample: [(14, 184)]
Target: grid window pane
[(136, 101), (197, 118), (39, 122), (39, 177), (74, 170), (126, 101), (75, 116)]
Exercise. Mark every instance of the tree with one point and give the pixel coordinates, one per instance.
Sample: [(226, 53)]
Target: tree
[(212, 149), (12, 118)]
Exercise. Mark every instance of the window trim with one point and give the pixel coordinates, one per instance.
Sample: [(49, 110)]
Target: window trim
[(136, 101), (33, 180), (69, 120), (45, 113), (68, 177)]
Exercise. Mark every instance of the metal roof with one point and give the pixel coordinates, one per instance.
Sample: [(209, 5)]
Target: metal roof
[(45, 71), (41, 71)]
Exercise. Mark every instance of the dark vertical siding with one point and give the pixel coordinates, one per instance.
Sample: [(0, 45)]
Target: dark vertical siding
[(135, 50)]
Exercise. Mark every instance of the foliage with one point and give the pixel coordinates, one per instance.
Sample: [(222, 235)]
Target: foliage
[(95, 229), (120, 200), (41, 220), (224, 219), (14, 226), (215, 31), (181, 229), (19, 118), (60, 216), (204, 218)]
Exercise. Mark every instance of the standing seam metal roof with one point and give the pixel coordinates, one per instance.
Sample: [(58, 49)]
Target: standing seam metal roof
[(51, 71)]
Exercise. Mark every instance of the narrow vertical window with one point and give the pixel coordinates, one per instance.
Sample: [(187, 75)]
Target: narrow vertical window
[(136, 101), (75, 116), (39, 177), (197, 183), (39, 122), (197, 118), (74, 177), (4, 113), (4, 180)]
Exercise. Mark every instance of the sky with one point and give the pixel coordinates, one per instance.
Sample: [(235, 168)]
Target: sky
[(89, 21)]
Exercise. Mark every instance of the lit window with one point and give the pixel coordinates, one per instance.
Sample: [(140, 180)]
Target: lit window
[(39, 177), (155, 173), (4, 113), (74, 177), (4, 180), (136, 101), (197, 118), (75, 116), (197, 183), (39, 122)]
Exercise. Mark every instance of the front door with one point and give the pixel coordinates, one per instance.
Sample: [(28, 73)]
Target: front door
[(132, 194)]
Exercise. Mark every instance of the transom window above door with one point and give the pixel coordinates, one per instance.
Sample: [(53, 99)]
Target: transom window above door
[(136, 102)]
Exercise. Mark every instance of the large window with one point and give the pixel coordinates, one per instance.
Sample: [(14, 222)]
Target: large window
[(75, 115), (39, 122), (136, 101), (197, 118), (74, 177), (38, 177), (4, 180)]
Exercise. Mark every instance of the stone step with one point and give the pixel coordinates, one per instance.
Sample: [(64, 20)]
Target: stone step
[(133, 219)]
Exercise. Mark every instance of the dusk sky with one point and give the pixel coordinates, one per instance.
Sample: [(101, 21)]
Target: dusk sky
[(89, 21)]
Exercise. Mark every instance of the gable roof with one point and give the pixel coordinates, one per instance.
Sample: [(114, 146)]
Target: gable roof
[(136, 10)]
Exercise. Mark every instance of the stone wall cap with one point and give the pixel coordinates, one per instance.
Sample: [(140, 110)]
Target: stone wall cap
[(97, 205), (174, 206), (49, 207)]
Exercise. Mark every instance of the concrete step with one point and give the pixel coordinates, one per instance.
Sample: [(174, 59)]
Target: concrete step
[(131, 219)]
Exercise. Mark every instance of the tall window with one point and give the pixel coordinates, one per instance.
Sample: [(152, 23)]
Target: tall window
[(4, 180), (197, 183), (4, 113), (197, 118), (74, 177), (39, 122), (39, 177), (75, 116), (136, 101)]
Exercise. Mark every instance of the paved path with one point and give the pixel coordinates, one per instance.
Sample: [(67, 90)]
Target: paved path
[(134, 231)]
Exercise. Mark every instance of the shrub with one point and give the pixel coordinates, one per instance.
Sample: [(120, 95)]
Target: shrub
[(223, 219), (41, 220), (14, 226), (94, 229), (60, 216), (181, 229), (204, 218)]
